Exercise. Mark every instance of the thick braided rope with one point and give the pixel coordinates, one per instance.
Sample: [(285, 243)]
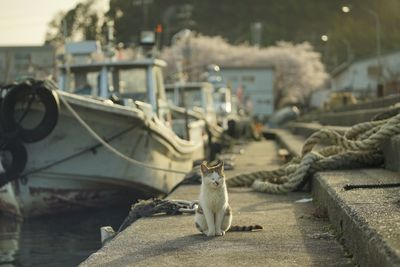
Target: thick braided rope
[(390, 128), (330, 150), (313, 162), (344, 153), (360, 128), (293, 180), (247, 179), (349, 159), (276, 176), (368, 133)]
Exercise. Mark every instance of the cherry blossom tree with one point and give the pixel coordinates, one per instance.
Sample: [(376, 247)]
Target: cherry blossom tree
[(298, 68)]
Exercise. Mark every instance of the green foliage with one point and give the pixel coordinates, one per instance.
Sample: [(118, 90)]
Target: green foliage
[(81, 22), (297, 68), (285, 20)]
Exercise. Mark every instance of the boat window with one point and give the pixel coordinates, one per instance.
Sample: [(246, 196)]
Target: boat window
[(170, 96), (222, 98), (133, 83), (192, 97), (84, 82)]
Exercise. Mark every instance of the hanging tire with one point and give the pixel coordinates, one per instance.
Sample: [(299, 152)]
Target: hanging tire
[(19, 158), (49, 120)]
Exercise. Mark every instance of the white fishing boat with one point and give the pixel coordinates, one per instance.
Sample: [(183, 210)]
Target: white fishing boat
[(106, 135), (197, 98), (232, 118)]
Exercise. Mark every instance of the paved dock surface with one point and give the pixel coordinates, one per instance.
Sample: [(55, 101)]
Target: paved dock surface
[(294, 233)]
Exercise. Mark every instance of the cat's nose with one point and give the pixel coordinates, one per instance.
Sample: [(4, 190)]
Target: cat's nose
[(216, 183)]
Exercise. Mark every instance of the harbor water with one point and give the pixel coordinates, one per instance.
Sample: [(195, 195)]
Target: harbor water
[(60, 240)]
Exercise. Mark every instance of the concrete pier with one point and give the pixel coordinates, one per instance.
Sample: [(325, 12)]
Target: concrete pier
[(295, 233), (364, 219)]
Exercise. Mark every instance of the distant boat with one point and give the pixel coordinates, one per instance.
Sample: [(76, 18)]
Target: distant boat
[(124, 104), (197, 98)]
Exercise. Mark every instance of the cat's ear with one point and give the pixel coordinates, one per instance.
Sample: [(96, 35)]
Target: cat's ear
[(221, 168), (220, 165), (203, 167)]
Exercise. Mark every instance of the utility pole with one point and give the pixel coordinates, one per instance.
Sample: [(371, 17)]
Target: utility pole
[(145, 9), (256, 33)]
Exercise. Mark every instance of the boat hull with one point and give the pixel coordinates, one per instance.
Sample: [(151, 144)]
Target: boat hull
[(70, 169)]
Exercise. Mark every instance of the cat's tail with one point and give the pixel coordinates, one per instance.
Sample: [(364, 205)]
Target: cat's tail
[(249, 228)]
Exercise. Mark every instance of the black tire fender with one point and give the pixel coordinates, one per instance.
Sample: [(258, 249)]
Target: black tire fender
[(19, 159), (51, 105)]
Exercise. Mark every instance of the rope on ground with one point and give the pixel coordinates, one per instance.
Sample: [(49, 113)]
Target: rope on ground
[(148, 208), (373, 141), (358, 147)]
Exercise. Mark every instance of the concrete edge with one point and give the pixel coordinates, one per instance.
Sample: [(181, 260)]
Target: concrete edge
[(287, 140), (353, 231), (366, 245), (346, 118)]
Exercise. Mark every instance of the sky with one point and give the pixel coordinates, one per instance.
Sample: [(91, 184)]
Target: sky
[(24, 22)]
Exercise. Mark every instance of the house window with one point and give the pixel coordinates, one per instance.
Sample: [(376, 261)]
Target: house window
[(233, 78), (248, 78), (22, 61), (133, 83)]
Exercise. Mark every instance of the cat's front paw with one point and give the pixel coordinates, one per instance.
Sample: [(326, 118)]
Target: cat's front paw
[(211, 233), (220, 233)]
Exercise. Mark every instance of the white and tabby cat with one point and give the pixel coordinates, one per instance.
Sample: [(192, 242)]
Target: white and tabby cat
[(214, 215)]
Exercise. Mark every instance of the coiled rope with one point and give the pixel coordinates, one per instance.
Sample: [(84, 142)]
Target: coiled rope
[(357, 147)]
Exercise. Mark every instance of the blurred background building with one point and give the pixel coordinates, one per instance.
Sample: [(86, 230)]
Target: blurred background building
[(19, 62)]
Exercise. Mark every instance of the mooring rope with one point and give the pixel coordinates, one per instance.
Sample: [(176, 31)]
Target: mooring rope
[(108, 146), (358, 147), (148, 208)]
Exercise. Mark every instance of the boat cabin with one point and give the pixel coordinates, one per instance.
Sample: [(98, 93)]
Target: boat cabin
[(196, 96), (128, 81), (223, 101)]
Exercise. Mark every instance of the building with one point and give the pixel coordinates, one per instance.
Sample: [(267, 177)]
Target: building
[(369, 77), (254, 88), (19, 62)]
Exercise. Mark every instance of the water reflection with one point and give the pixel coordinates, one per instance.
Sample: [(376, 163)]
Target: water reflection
[(9, 240), (63, 240)]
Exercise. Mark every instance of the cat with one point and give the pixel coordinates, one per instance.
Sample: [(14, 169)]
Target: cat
[(213, 215)]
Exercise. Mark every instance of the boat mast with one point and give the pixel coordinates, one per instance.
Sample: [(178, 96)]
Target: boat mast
[(109, 56)]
